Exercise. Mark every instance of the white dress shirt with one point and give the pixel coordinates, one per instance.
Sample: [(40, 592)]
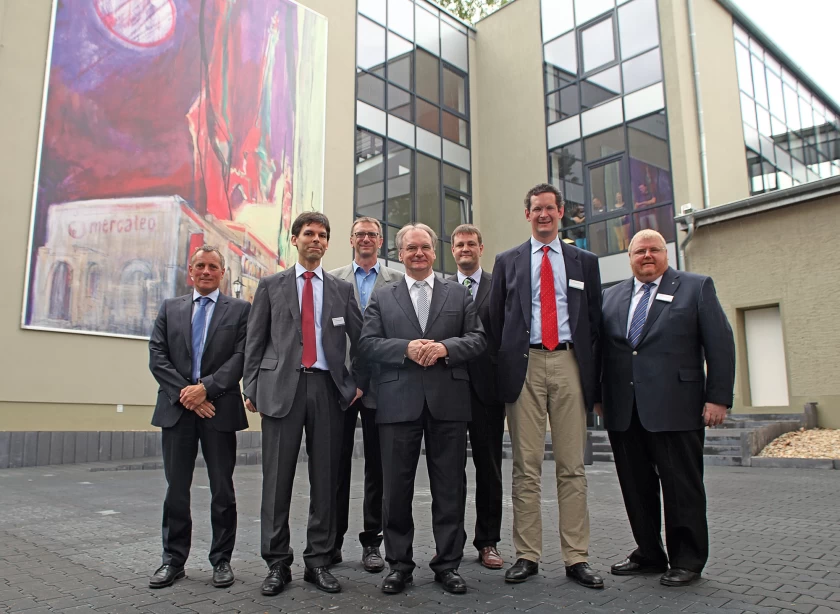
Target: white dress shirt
[(638, 291), (317, 304), (413, 290), (476, 277), (558, 267)]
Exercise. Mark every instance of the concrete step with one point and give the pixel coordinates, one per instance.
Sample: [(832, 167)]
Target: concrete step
[(601, 447), (722, 461), (722, 450), (603, 457)]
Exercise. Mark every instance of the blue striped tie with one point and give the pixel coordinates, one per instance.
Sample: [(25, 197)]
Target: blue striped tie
[(198, 324), (640, 316)]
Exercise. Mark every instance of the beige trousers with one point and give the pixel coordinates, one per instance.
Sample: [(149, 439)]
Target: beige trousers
[(552, 388)]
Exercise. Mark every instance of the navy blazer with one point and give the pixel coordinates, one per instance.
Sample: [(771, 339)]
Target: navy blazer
[(170, 360), (510, 317), (664, 373)]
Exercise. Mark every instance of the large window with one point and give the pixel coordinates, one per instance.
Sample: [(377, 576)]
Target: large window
[(791, 135)]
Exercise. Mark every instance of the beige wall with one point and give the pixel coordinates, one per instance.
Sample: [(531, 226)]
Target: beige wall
[(780, 258), (41, 373), (509, 134)]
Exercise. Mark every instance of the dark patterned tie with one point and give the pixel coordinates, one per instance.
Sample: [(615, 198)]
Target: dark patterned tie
[(640, 315), (468, 282)]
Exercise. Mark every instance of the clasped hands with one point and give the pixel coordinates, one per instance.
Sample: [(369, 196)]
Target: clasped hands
[(194, 398), (426, 352)]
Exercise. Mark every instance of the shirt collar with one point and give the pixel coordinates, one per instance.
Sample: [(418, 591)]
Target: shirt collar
[(637, 285), (476, 277), (538, 245), (213, 296), (299, 270), (410, 281), (375, 267)]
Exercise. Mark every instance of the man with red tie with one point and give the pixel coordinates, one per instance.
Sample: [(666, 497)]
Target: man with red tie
[(295, 377), (545, 312)]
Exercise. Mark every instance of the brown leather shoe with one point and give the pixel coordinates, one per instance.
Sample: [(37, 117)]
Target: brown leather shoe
[(490, 558)]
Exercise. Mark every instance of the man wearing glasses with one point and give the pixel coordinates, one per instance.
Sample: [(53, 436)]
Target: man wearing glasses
[(366, 274)]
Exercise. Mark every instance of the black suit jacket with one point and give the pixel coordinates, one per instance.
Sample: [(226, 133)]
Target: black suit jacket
[(275, 341), (170, 360), (482, 368), (664, 374), (391, 323), (510, 316)]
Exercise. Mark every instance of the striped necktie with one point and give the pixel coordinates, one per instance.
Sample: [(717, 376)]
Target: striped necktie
[(198, 325), (637, 324)]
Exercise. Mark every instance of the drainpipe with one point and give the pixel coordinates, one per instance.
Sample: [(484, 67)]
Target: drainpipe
[(688, 236), (704, 167)]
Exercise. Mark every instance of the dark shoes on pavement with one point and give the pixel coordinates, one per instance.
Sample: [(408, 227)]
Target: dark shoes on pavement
[(490, 558), (584, 575), (396, 581), (322, 579), (629, 567), (452, 581), (521, 570), (166, 576), (372, 560), (678, 577), (222, 575), (278, 576)]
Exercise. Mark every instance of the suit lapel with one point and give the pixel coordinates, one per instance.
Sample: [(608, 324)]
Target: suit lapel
[(326, 303), (288, 288), (439, 293), (185, 321), (350, 275), (625, 293), (574, 270), (382, 278), (668, 285), (483, 289), (218, 313), (404, 301), (522, 273)]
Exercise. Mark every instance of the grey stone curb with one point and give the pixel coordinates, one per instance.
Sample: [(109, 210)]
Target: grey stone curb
[(796, 463)]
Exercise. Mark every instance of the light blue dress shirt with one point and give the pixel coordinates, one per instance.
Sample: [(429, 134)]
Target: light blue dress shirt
[(365, 282), (318, 303), (558, 267), (208, 311)]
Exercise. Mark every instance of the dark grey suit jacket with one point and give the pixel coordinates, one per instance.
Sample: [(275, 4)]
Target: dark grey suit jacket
[(664, 373), (365, 373), (404, 386), (483, 368), (170, 360), (275, 341)]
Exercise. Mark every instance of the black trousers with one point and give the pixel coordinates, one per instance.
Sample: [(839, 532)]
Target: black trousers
[(445, 455), (315, 411), (672, 461), (372, 502), (180, 448), (487, 432)]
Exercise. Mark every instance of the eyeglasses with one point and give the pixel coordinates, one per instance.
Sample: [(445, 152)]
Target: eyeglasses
[(370, 235), (654, 251)]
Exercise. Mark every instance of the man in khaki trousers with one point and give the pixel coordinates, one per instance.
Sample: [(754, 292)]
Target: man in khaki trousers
[(545, 312)]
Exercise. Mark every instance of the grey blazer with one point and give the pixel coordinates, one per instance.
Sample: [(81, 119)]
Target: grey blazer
[(385, 276), (404, 386), (275, 341)]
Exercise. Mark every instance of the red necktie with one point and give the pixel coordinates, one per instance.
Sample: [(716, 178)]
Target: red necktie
[(548, 302), (307, 320)]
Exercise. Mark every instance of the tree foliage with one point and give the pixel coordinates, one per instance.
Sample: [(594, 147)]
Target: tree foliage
[(472, 10)]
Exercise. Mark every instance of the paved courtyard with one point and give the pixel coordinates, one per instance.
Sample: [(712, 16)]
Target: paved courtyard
[(74, 540)]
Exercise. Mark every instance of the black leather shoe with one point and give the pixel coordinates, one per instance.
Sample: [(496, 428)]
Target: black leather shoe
[(632, 568), (222, 575), (452, 581), (322, 579), (583, 574), (372, 560), (166, 576), (396, 581), (278, 576), (678, 577), (521, 570), (336, 558)]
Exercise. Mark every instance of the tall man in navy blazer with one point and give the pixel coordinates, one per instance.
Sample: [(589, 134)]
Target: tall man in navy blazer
[(296, 378), (196, 353), (545, 312), (422, 332), (659, 329)]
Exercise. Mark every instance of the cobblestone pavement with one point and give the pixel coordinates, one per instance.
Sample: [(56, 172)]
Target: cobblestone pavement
[(72, 540)]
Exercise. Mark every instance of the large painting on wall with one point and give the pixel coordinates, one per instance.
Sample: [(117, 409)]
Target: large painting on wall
[(168, 124)]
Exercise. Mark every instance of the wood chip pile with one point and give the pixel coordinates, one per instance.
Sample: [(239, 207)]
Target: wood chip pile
[(813, 443)]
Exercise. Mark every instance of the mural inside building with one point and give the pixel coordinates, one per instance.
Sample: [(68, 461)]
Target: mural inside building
[(169, 124)]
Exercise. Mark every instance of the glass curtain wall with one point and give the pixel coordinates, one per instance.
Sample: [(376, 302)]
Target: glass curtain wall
[(412, 121), (791, 135), (607, 129)]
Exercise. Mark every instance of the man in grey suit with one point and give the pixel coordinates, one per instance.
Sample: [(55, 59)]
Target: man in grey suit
[(196, 353), (660, 328), (296, 378), (366, 274), (422, 332)]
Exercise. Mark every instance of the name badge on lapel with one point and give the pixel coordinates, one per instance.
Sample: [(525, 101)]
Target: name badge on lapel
[(665, 298), (338, 321), (577, 285)]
